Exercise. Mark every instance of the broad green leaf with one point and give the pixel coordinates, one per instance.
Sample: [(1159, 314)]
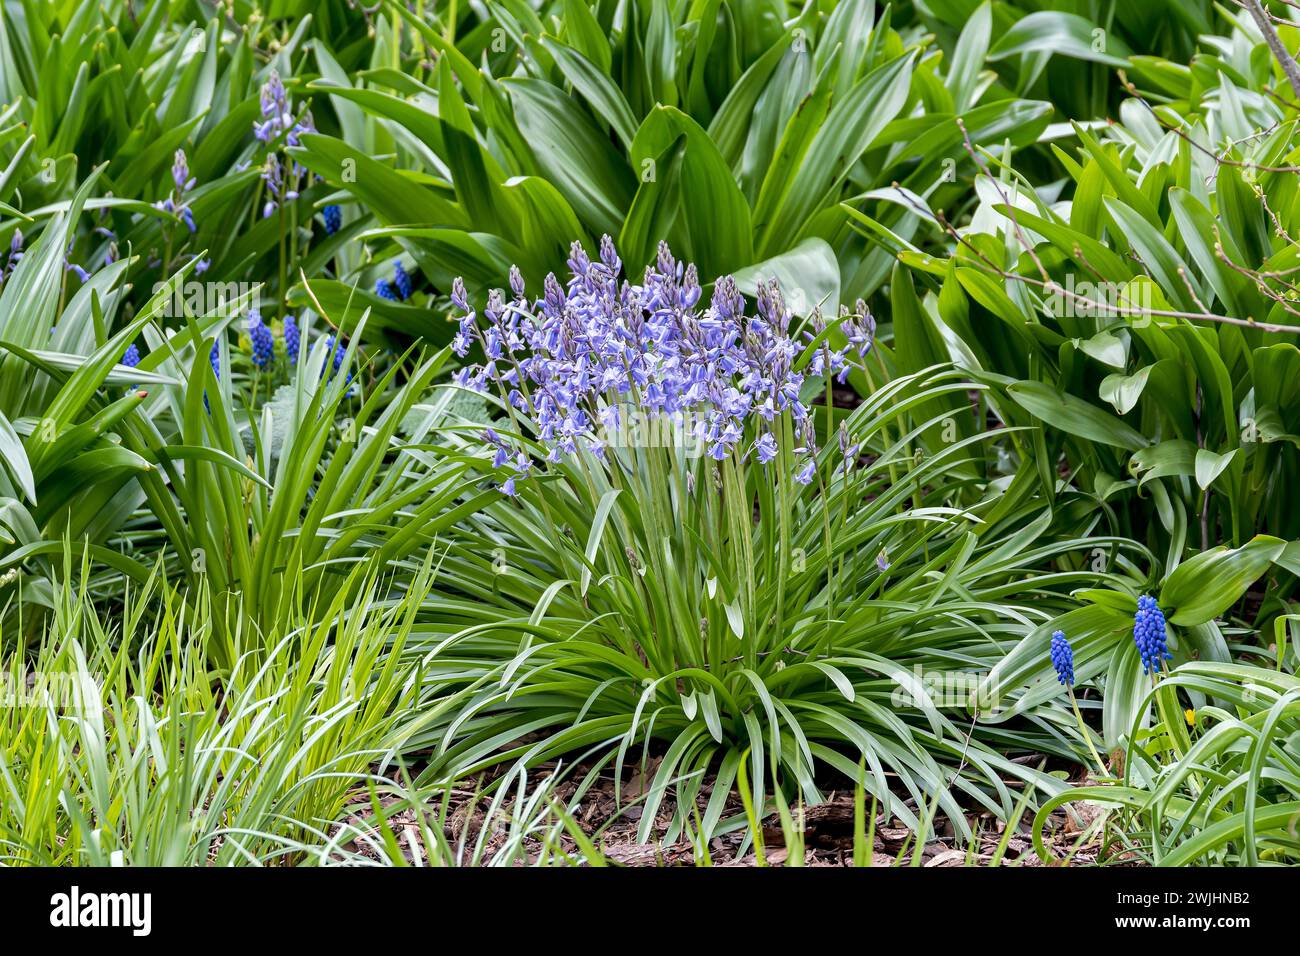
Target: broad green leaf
[(719, 236), (15, 459), (808, 274), (1204, 586), (1064, 34), (1074, 416), (1210, 465)]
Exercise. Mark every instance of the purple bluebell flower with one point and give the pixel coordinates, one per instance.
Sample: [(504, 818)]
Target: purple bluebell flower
[(384, 290), (848, 449), (182, 182), (181, 177), (282, 182), (333, 217), (276, 113), (598, 343), (279, 187), (131, 357), (15, 254)]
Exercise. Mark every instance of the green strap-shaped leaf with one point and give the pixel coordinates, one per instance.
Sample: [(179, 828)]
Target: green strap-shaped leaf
[(1203, 587), (1074, 416)]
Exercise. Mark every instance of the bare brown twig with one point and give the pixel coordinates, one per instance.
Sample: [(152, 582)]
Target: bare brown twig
[(1283, 56), (1049, 285), (1219, 159)]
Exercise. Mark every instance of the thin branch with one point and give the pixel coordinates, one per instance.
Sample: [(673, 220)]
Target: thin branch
[(1011, 207), (1219, 159), (984, 264), (1280, 52)]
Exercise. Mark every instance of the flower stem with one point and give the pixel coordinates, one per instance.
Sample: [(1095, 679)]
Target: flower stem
[(1087, 734)]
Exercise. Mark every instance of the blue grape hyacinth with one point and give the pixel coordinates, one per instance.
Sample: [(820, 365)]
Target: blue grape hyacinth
[(384, 290), (1062, 658), (131, 357), (215, 358), (262, 338), (401, 281), (1150, 634), (333, 217), (291, 336), (337, 350)]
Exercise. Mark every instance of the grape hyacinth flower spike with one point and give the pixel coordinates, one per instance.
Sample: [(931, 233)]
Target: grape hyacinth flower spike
[(214, 359), (1062, 657), (334, 358), (262, 339), (401, 281), (131, 359), (333, 217), (1151, 635), (291, 336)]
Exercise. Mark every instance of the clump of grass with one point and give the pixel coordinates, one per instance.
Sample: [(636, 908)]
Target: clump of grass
[(121, 747), (1225, 794)]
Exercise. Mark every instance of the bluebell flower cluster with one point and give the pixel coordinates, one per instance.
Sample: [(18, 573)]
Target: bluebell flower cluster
[(182, 182), (263, 340), (573, 359), (505, 454), (291, 336), (384, 290), (131, 357), (333, 217), (279, 188), (15, 255), (70, 266), (214, 357), (1150, 634), (277, 115), (282, 180), (1062, 658)]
